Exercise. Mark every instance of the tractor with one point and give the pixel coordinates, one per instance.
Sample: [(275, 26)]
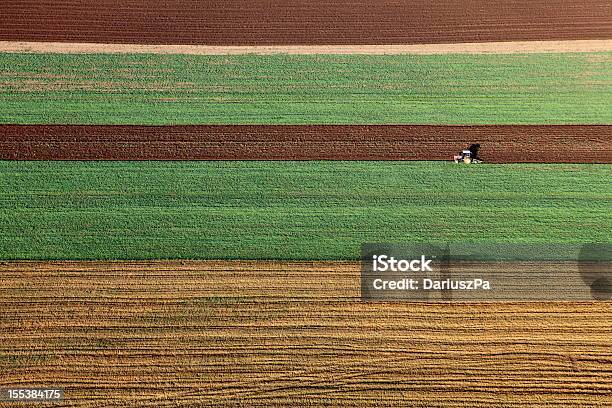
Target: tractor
[(469, 155)]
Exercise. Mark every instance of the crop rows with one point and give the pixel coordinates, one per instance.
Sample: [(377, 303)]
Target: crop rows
[(289, 210), (306, 89)]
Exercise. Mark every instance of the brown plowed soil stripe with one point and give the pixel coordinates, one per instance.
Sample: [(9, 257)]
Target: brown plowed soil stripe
[(252, 22), (164, 334), (502, 144)]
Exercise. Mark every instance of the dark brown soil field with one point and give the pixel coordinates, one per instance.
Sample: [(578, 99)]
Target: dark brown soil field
[(168, 334), (242, 22), (500, 144)]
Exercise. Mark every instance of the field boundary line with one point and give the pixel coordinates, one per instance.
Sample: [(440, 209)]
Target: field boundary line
[(513, 47)]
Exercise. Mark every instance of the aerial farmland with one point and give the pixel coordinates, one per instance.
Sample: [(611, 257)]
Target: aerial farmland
[(186, 189)]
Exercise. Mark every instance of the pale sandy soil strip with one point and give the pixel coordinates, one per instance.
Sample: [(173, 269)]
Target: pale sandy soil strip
[(515, 47)]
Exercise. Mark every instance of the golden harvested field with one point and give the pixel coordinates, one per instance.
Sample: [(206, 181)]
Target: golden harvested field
[(164, 334)]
